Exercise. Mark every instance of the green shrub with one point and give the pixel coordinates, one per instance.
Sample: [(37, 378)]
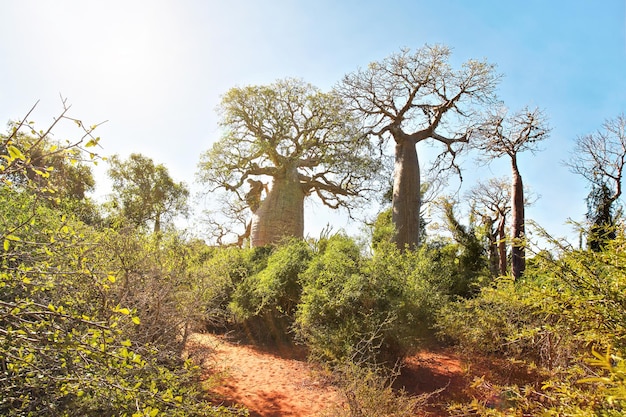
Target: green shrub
[(595, 388), (383, 230), (552, 316), (355, 308), (518, 320), (69, 346), (214, 278), (368, 392), (330, 319), (561, 309), (264, 302)]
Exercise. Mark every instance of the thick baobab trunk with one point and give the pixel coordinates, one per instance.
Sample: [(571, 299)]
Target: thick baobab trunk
[(281, 214), (518, 261), (406, 195)]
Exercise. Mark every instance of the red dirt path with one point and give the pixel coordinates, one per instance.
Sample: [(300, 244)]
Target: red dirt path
[(282, 384)]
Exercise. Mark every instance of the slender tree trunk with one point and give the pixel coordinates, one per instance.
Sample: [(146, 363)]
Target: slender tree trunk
[(502, 246), (493, 246), (406, 195), (157, 223), (281, 214), (518, 261)]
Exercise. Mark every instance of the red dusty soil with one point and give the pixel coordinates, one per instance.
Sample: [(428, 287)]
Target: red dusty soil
[(266, 383), (282, 383), (439, 373)]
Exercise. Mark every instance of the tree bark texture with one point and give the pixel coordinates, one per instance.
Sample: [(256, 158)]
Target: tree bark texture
[(406, 195), (280, 214), (518, 260)]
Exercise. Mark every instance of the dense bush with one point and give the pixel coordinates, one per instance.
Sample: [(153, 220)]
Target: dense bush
[(69, 346), (561, 311), (93, 319), (363, 309), (558, 310), (264, 302), (215, 275), (152, 279)]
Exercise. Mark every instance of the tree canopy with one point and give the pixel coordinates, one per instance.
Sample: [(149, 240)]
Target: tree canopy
[(505, 133), (410, 97), (600, 158), (281, 143), (144, 193)]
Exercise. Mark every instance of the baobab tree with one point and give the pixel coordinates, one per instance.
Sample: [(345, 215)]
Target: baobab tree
[(503, 134), (492, 201), (600, 158), (281, 143), (411, 97)]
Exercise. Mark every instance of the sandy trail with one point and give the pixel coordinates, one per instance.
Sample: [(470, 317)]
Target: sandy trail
[(268, 384), (281, 383)]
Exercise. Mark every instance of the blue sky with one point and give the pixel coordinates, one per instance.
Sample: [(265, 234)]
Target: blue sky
[(156, 69)]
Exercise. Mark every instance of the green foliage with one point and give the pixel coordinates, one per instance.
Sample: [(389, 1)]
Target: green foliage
[(601, 214), (438, 265), (152, 279), (597, 388), (502, 319), (214, 278), (144, 192), (362, 309), (31, 159), (562, 309), (276, 288), (587, 292), (383, 229), (611, 381), (70, 345), (329, 318), (265, 302), (471, 257)]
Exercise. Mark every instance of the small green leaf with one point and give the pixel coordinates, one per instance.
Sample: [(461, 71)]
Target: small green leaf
[(136, 320), (92, 142), (124, 352), (15, 153)]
